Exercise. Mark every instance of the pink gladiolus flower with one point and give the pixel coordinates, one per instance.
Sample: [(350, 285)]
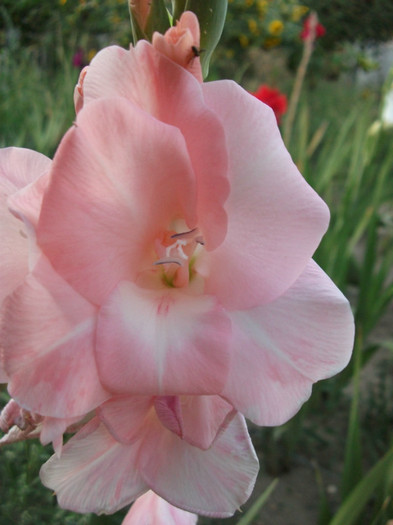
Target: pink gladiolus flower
[(19, 169), (150, 509), (181, 44), (171, 288)]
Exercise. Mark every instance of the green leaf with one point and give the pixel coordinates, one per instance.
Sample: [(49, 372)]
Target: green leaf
[(211, 15), (354, 504), (256, 507)]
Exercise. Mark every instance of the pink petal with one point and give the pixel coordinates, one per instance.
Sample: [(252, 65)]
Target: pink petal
[(196, 419), (50, 362), (52, 431), (119, 178), (212, 482), (126, 416), (302, 337), (275, 219), (181, 44), (21, 166), (162, 342), (166, 91), (150, 509), (203, 418), (18, 169), (95, 473)]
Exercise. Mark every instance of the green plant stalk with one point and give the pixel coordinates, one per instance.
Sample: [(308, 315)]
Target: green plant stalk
[(353, 506), (352, 472), (299, 80), (256, 507)]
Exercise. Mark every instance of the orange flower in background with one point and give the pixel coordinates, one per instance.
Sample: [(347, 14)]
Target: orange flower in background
[(273, 98)]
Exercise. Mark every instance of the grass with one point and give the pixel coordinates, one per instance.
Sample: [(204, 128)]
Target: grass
[(352, 171)]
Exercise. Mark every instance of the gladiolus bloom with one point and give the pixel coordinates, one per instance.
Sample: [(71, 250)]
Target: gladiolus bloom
[(274, 99), (170, 288), (320, 30)]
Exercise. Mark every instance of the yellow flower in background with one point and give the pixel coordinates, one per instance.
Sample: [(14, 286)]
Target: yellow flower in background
[(275, 27), (62, 2), (244, 40), (298, 11), (249, 3), (262, 6), (91, 54), (272, 41), (253, 26)]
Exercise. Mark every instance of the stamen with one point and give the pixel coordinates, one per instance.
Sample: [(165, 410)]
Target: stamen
[(184, 235), (178, 246), (168, 260)]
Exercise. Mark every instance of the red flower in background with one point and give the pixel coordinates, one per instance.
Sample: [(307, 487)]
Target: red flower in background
[(319, 30), (273, 98)]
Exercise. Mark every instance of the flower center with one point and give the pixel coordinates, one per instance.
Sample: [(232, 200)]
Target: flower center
[(176, 254)]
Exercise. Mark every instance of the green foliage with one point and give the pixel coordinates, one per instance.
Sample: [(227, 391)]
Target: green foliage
[(354, 20), (262, 23), (43, 26)]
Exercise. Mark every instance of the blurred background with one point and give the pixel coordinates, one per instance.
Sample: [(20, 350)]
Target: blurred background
[(331, 87)]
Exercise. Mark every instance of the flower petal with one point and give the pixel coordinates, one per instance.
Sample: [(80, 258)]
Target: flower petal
[(125, 416), (95, 473), (151, 509), (162, 342), (118, 179), (212, 482), (276, 220), (203, 417), (166, 91), (50, 362), (196, 419), (18, 168), (302, 337)]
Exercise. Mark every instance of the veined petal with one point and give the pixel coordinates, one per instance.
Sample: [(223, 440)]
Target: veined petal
[(169, 93), (286, 346), (162, 342), (18, 168), (203, 418), (50, 362), (275, 219), (150, 509), (126, 416), (52, 431), (212, 482), (95, 473), (118, 179), (196, 419)]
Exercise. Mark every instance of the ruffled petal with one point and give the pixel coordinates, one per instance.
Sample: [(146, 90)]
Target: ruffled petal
[(212, 482), (52, 431), (126, 416), (276, 220), (162, 342), (203, 418), (196, 419), (150, 509), (18, 168), (118, 179), (285, 346), (95, 473), (165, 90), (50, 362)]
